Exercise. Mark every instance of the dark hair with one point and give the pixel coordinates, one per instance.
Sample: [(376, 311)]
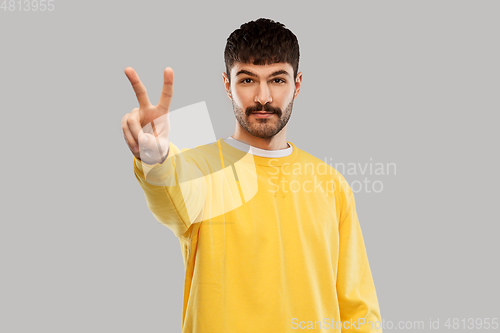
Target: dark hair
[(262, 42)]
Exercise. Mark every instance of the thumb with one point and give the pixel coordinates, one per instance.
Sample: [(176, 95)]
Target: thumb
[(146, 141)]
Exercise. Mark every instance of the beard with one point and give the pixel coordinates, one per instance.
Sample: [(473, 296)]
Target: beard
[(263, 127)]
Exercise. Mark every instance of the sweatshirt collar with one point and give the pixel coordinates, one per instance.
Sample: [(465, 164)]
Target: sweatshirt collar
[(271, 161), (258, 151)]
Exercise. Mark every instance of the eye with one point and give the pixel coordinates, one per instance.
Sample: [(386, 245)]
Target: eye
[(280, 81), (247, 80)]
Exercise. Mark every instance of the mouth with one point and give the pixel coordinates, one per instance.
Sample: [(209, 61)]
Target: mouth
[(262, 114)]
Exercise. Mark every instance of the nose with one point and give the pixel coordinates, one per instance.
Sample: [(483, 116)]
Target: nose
[(264, 94)]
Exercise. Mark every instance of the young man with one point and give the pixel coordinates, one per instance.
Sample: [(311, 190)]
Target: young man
[(269, 233)]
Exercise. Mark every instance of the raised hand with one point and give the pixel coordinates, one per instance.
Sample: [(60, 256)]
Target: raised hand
[(146, 128)]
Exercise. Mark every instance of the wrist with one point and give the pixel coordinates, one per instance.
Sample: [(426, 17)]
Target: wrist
[(153, 161)]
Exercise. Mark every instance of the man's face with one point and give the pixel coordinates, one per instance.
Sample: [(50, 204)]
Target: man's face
[(262, 96)]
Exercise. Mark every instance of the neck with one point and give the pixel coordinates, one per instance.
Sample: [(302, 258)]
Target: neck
[(276, 142)]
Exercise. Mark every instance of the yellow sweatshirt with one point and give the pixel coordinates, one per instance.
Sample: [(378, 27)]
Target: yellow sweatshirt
[(269, 244)]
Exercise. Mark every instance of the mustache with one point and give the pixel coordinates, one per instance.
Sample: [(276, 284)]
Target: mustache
[(265, 107)]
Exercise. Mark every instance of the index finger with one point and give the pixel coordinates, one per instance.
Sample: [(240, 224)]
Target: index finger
[(140, 90)]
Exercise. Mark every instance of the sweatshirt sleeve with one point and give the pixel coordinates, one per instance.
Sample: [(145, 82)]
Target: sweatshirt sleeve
[(175, 190), (355, 287)]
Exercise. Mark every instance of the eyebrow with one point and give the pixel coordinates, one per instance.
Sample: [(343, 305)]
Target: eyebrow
[(280, 72)]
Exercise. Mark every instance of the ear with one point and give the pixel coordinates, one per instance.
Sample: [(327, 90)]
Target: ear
[(298, 84), (227, 85)]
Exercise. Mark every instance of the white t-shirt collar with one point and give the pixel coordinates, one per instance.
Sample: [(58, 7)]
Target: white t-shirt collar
[(257, 151)]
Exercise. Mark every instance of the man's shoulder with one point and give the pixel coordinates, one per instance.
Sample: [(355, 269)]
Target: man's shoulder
[(311, 164), (305, 157), (206, 150)]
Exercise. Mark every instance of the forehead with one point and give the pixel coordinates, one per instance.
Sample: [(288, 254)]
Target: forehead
[(262, 70)]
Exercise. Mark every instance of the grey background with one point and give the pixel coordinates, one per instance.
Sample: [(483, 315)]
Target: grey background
[(408, 82)]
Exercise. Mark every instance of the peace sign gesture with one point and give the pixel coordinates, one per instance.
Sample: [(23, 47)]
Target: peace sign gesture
[(146, 128)]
